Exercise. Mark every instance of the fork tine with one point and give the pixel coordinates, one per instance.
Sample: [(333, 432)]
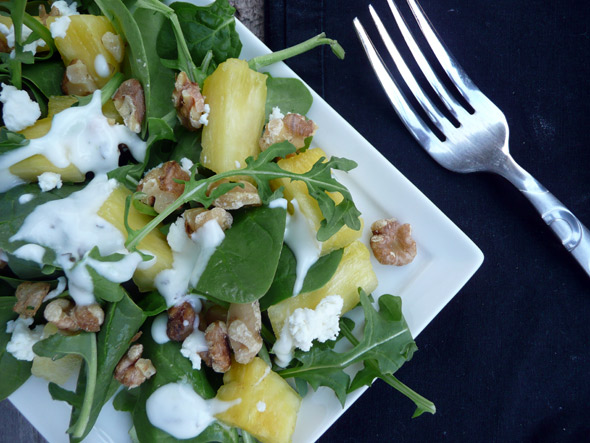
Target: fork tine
[(403, 108), (452, 105), (439, 120), (453, 69)]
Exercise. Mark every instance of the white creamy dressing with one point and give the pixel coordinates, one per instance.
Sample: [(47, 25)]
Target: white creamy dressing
[(81, 136), (300, 236), (305, 325), (101, 66), (191, 256), (31, 252), (158, 329), (178, 410), (60, 288), (261, 406), (25, 198), (193, 344), (71, 227)]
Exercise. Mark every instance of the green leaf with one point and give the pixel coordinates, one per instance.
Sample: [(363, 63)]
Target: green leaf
[(11, 140), (46, 76), (256, 237), (152, 304), (14, 372), (126, 400), (289, 94), (83, 344), (322, 271), (283, 281)]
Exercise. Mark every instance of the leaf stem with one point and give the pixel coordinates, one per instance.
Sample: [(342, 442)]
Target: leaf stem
[(268, 59), (92, 369)]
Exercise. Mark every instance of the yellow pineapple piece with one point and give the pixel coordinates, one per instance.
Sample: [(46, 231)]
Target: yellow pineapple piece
[(84, 41), (30, 168), (56, 371), (113, 210), (237, 96), (354, 271), (268, 406), (308, 205)]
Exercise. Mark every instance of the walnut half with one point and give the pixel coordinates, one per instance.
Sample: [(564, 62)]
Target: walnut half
[(218, 356), (181, 320), (244, 194), (161, 187), (77, 80), (68, 317), (130, 104), (392, 242), (294, 128), (132, 370), (29, 297), (189, 102), (243, 328)]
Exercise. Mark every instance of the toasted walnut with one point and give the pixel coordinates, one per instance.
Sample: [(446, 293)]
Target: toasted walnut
[(181, 320), (197, 217), (77, 80), (89, 317), (66, 316), (218, 355), (29, 297), (245, 194), (54, 12), (161, 187), (114, 44), (243, 329), (59, 312), (189, 102), (392, 242), (130, 104), (294, 128), (132, 370)]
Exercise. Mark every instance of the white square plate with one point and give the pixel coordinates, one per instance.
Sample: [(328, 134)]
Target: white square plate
[(446, 259)]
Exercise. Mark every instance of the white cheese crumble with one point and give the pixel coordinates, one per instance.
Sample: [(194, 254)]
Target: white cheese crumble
[(276, 114), (178, 410), (59, 27), (19, 111), (101, 66), (49, 181), (204, 119), (192, 345), (23, 338), (186, 164), (305, 325), (25, 33)]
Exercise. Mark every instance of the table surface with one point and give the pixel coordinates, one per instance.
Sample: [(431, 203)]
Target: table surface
[(507, 359)]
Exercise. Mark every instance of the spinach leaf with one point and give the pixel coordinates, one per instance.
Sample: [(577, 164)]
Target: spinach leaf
[(11, 140), (122, 321), (289, 94), (152, 304), (284, 280), (387, 343), (242, 268), (83, 344), (14, 372), (46, 76), (208, 28), (172, 367)]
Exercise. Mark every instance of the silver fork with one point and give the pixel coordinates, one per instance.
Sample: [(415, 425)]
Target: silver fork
[(480, 142)]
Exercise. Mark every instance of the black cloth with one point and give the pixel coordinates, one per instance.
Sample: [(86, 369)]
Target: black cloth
[(508, 358)]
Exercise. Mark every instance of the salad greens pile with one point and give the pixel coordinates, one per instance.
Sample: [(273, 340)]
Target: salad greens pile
[(160, 41)]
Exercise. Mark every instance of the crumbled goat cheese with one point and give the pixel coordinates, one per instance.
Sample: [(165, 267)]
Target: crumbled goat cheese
[(305, 325), (23, 338), (186, 164), (192, 345), (19, 111), (59, 27), (65, 9), (276, 113), (25, 33), (204, 120), (49, 181)]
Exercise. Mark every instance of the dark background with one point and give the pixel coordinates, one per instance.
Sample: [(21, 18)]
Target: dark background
[(508, 358)]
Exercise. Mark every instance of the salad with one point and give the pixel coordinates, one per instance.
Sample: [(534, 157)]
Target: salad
[(170, 234)]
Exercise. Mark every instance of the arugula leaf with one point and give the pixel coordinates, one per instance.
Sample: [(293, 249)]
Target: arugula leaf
[(14, 372), (263, 169), (256, 237), (386, 341), (11, 140), (289, 94), (268, 59)]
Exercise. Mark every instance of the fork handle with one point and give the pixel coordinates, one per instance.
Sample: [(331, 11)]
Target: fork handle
[(574, 236)]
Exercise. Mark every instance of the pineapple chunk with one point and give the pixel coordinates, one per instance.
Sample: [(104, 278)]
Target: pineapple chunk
[(237, 96), (84, 41), (57, 371), (354, 271), (113, 211), (30, 168), (268, 406), (308, 205)]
